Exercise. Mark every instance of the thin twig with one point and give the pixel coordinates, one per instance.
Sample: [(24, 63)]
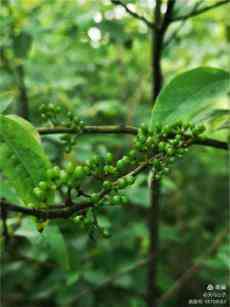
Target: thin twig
[(200, 11), (135, 15), (62, 211), (178, 29), (5, 232)]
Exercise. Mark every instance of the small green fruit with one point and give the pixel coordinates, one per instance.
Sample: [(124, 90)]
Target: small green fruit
[(70, 167), (116, 200), (38, 192), (79, 172), (107, 184), (43, 185)]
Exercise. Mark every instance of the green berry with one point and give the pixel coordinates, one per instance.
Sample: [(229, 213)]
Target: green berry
[(162, 146), (132, 154), (121, 183), (107, 184), (167, 129), (43, 185), (53, 172), (63, 177), (124, 199), (120, 164), (116, 200), (94, 198), (79, 172), (198, 130), (130, 179), (38, 192), (156, 163), (169, 151), (86, 170), (109, 157), (144, 129), (70, 167), (109, 169)]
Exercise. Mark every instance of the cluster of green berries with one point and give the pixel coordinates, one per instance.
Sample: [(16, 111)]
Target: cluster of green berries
[(74, 123), (50, 112), (163, 145), (89, 222), (58, 116), (61, 180), (156, 148)]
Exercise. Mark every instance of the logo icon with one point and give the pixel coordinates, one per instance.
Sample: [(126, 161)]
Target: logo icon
[(210, 287)]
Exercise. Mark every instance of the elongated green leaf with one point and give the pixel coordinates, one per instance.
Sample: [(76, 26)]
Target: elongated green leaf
[(22, 158), (189, 93)]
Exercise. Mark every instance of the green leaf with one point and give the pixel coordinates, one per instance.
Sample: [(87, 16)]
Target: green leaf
[(54, 240), (216, 119), (189, 93), (7, 192), (22, 158), (22, 44)]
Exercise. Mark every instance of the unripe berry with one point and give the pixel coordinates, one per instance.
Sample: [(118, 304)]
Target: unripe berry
[(70, 167), (144, 129), (124, 199), (63, 177), (94, 198), (138, 145), (169, 151), (53, 172), (109, 157), (86, 170), (43, 185), (107, 184), (121, 183), (108, 169), (198, 130), (78, 172), (156, 163), (132, 154), (141, 138), (130, 179), (120, 164), (38, 192), (116, 200), (162, 146)]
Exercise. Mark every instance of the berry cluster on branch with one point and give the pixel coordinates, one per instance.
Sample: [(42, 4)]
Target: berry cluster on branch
[(81, 190)]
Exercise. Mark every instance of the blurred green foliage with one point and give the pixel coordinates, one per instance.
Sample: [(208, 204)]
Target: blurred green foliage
[(95, 60)]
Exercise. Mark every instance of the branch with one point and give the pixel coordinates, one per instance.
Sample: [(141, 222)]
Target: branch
[(5, 232), (212, 143), (62, 211), (200, 11), (91, 130), (123, 130), (180, 283), (135, 15), (175, 33)]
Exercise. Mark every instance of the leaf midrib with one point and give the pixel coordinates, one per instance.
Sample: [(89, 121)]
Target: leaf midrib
[(21, 160)]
